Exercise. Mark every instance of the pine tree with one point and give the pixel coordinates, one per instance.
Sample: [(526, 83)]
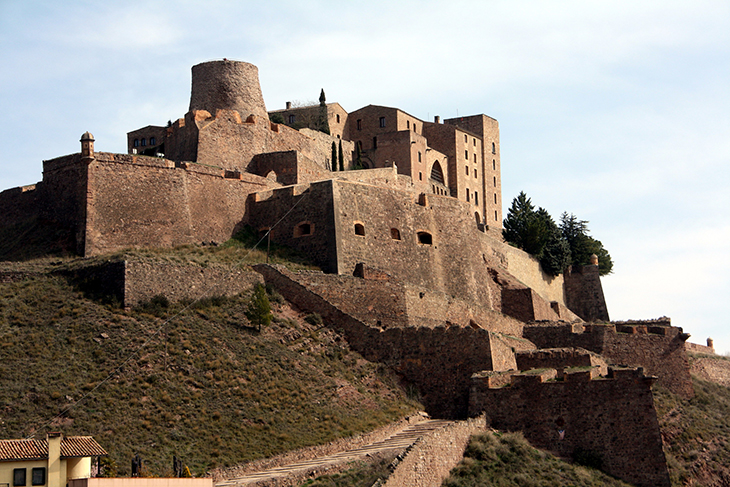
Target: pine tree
[(259, 309), (582, 245)]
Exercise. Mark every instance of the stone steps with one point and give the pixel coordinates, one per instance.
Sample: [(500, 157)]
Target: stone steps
[(397, 443)]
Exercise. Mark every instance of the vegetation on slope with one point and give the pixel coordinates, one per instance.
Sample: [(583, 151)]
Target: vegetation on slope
[(207, 388), (507, 459), (696, 434)]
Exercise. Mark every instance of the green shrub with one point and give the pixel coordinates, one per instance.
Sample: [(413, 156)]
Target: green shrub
[(314, 319), (259, 309)]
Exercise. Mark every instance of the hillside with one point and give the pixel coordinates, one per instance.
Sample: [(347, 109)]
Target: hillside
[(205, 387)]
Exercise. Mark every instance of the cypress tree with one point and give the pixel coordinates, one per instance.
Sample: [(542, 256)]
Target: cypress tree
[(259, 309), (324, 124), (334, 157), (342, 157)]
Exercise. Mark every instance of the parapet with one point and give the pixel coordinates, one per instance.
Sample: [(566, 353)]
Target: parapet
[(227, 85)]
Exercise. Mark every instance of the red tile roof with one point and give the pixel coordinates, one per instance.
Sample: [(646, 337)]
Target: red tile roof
[(72, 446)]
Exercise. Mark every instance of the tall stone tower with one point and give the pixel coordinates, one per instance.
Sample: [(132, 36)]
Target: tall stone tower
[(229, 85)]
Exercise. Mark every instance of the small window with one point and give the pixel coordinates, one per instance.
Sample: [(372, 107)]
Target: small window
[(18, 477), (494, 165), (425, 238), (375, 142), (467, 170), (467, 194), (338, 118), (420, 176), (475, 142), (382, 121), (419, 156), (495, 198), (466, 155), (475, 157), (395, 234), (136, 142), (39, 476), (152, 141), (304, 229), (476, 198), (466, 138), (495, 215), (414, 127), (494, 148), (359, 229), (359, 124), (475, 173), (144, 142), (408, 124), (495, 181), (292, 119)]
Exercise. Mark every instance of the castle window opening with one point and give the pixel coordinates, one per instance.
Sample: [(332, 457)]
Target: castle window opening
[(382, 121), (375, 142), (359, 229), (475, 142), (425, 238), (476, 217), (495, 198), (495, 181), (395, 234), (475, 157), (414, 127), (144, 142), (136, 143), (476, 198), (475, 173), (338, 118), (420, 176), (304, 229), (467, 194), (359, 124), (419, 156), (436, 173), (467, 170), (466, 154), (466, 138), (494, 148), (494, 165), (495, 215), (408, 124), (292, 118), (38, 476), (152, 141)]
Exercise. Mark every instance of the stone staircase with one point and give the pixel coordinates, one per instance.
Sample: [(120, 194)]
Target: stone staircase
[(395, 444)]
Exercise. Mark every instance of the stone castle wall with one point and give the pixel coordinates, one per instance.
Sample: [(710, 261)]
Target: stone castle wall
[(578, 415), (653, 345), (437, 362), (584, 293)]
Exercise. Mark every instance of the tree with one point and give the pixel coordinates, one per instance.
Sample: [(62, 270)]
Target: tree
[(259, 309), (582, 245), (535, 232), (334, 156), (341, 157), (324, 123)]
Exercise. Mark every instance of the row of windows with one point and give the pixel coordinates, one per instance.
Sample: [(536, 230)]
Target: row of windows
[(475, 198), (358, 123), (38, 476), (143, 142), (424, 238)]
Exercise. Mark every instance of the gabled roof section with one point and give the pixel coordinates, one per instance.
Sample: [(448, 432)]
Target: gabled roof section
[(388, 108), (71, 447)]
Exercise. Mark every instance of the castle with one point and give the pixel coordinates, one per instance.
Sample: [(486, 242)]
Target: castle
[(417, 275)]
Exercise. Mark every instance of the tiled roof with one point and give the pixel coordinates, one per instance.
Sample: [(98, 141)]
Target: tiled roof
[(72, 446)]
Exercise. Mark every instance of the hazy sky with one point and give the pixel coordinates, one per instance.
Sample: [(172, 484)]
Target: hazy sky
[(616, 111)]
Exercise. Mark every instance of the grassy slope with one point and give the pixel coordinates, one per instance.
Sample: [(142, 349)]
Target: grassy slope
[(207, 389)]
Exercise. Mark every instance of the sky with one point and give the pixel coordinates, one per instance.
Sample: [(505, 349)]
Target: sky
[(616, 111)]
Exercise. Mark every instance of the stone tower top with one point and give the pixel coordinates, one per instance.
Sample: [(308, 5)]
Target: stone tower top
[(230, 85), (87, 145)]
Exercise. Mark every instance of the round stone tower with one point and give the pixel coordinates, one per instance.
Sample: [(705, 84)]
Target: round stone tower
[(230, 85)]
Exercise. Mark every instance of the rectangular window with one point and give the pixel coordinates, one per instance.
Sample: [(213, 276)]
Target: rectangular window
[(292, 118), (39, 476), (475, 142), (359, 124), (495, 198), (466, 155), (414, 127), (467, 194), (382, 121), (475, 173), (475, 157), (419, 156), (467, 170), (466, 138), (495, 181), (408, 124), (476, 198), (18, 477), (338, 118)]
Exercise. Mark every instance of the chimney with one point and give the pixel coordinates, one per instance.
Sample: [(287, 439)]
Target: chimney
[(436, 119), (54, 459), (288, 105)]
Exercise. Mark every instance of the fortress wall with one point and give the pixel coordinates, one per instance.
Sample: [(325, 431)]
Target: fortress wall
[(429, 462), (386, 177), (310, 205), (658, 349), (584, 293), (437, 361), (137, 201), (613, 420), (18, 205), (319, 148), (527, 269), (63, 195)]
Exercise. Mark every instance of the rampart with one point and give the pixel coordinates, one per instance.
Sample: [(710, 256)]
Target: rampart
[(438, 362), (586, 419), (584, 293), (130, 282), (654, 345)]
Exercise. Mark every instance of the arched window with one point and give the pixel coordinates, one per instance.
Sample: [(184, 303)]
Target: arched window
[(152, 141), (359, 229), (494, 148), (425, 238), (477, 218), (136, 143), (436, 173), (395, 234), (144, 142)]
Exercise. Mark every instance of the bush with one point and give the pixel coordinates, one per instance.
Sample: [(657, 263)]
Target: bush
[(314, 319), (259, 309)]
